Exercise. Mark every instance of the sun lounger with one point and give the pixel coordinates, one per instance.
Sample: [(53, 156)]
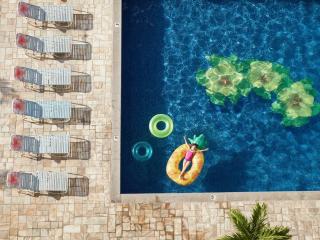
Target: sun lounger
[(57, 46), (43, 110), (59, 78), (38, 145), (61, 16), (41, 182)]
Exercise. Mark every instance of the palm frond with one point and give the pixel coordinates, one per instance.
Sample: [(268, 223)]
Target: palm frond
[(241, 222), (235, 236), (258, 218), (275, 233)]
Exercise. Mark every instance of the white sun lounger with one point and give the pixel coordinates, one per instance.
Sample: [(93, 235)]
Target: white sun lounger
[(45, 45), (47, 13), (49, 144), (40, 182), (44, 109), (52, 181), (44, 77)]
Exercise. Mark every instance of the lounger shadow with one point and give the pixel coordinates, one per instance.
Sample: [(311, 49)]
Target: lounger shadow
[(79, 51), (80, 82), (78, 187), (80, 114), (82, 21)]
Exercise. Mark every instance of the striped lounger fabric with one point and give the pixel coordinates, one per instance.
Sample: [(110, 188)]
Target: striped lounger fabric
[(43, 109), (54, 144), (55, 109), (58, 13), (52, 181), (59, 44), (27, 181)]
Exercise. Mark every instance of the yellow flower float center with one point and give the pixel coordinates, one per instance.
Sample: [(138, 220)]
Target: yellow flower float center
[(173, 170)]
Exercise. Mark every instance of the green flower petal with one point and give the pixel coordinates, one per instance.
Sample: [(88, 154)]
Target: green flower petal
[(225, 68), (307, 99), (216, 100), (201, 77), (212, 74), (316, 109), (276, 107), (262, 75), (222, 78), (295, 102)]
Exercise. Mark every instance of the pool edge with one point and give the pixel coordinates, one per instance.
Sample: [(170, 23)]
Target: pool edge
[(116, 102)]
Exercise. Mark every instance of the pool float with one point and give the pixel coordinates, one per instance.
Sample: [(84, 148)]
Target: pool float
[(173, 170), (161, 133), (136, 151)]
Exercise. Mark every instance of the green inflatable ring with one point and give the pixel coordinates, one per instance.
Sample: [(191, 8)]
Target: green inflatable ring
[(161, 133)]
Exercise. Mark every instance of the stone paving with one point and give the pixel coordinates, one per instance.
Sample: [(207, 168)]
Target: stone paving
[(94, 216)]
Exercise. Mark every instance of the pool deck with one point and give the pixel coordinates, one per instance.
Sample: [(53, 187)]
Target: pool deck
[(96, 216)]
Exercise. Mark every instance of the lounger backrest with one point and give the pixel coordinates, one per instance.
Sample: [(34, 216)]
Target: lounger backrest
[(25, 144), (26, 107), (30, 42), (31, 11), (28, 181), (33, 109), (30, 144), (28, 75)]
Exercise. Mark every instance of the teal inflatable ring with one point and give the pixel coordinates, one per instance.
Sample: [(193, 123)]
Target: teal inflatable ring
[(137, 149), (161, 133)]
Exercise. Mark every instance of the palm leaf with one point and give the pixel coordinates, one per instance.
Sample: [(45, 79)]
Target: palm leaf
[(241, 222), (235, 236), (275, 233), (258, 219)]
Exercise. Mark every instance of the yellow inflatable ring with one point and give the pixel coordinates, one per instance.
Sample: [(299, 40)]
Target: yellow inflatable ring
[(173, 170)]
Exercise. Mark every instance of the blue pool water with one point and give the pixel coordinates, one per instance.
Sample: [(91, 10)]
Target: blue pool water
[(165, 42)]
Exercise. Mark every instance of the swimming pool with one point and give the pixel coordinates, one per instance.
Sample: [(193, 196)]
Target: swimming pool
[(164, 43)]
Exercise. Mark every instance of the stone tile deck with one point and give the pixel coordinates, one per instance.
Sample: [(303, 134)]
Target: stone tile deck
[(94, 216)]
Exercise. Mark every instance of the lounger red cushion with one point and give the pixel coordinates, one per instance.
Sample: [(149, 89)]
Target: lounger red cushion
[(23, 9), (18, 106), (22, 40), (13, 179), (16, 143), (19, 73)]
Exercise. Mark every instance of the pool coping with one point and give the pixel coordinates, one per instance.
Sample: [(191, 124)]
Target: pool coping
[(115, 191)]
